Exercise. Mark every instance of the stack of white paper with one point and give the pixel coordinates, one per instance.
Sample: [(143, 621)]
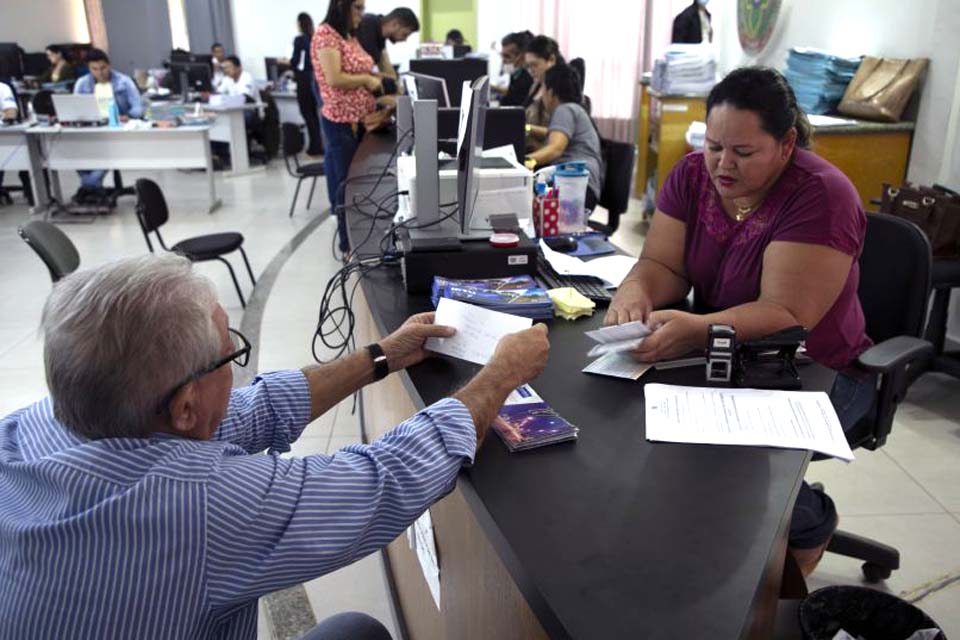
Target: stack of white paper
[(752, 417)]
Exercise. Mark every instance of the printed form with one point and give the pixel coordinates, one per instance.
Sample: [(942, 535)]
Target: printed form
[(751, 417)]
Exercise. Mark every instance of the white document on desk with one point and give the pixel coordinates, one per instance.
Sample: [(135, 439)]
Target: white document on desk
[(618, 365), (478, 330), (611, 269), (751, 417)]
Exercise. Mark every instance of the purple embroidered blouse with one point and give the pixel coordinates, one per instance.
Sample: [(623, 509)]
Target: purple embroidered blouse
[(812, 202)]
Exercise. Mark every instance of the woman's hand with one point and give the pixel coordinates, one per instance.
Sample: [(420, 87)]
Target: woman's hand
[(373, 84), (676, 333), (376, 120), (630, 303)]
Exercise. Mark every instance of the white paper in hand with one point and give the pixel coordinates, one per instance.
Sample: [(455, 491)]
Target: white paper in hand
[(618, 338), (478, 330)]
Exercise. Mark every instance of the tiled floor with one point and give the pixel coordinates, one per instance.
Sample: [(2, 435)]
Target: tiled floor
[(906, 494)]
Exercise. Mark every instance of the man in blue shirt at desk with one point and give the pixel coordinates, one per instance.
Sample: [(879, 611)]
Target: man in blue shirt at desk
[(108, 86), (137, 502)]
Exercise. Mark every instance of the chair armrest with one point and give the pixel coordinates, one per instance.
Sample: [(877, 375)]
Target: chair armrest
[(894, 353)]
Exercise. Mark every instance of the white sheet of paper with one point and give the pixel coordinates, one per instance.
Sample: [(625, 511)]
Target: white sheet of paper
[(618, 365), (478, 330), (612, 269), (427, 554), (618, 338), (752, 417), (507, 152)]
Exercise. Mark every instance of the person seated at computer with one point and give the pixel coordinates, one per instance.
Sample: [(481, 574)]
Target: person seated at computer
[(347, 84), (60, 70), (541, 54), (108, 86), (512, 49), (375, 30), (217, 55), (768, 235), (8, 102), (454, 38), (572, 134)]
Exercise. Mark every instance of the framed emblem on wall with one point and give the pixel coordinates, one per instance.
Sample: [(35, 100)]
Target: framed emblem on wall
[(755, 22)]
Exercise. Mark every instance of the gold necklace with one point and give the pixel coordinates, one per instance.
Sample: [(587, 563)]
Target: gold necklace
[(743, 212)]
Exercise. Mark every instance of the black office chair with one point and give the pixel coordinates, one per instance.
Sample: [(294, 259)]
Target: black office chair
[(945, 278), (152, 213), (53, 246), (293, 143), (894, 287), (266, 131), (615, 194)]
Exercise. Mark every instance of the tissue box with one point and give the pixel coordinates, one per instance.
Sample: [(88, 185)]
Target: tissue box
[(546, 215)]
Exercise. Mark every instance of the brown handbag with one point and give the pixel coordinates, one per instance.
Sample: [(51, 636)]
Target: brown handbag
[(936, 210), (882, 87)]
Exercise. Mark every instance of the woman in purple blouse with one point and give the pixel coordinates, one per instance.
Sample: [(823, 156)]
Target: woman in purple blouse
[(768, 235)]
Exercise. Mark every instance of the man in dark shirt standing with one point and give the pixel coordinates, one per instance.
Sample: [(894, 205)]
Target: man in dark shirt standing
[(375, 30)]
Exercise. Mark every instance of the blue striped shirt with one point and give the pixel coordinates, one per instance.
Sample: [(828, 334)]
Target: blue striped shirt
[(166, 537)]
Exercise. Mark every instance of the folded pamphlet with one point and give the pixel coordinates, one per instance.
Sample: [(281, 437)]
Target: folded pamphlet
[(526, 422), (618, 338)]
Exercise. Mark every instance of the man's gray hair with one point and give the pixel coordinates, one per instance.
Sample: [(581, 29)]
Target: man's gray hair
[(119, 337)]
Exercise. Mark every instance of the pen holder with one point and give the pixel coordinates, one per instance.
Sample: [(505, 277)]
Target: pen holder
[(546, 215)]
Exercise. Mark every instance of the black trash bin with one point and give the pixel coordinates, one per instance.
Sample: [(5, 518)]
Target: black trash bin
[(861, 612)]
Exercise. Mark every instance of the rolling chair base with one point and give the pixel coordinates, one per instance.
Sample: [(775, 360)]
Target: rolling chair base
[(880, 560)]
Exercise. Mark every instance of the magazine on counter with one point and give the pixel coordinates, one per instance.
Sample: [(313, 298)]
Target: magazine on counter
[(526, 422)]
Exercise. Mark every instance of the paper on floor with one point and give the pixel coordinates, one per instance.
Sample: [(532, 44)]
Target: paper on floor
[(752, 417), (426, 548), (478, 330)]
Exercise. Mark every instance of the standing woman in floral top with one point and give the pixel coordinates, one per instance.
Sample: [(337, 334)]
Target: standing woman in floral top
[(347, 84)]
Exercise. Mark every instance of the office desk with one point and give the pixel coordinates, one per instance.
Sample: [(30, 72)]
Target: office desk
[(288, 106), (607, 537), (20, 152), (229, 126), (66, 148)]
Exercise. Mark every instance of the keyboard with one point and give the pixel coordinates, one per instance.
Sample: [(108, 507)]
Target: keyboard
[(485, 163), (587, 286)]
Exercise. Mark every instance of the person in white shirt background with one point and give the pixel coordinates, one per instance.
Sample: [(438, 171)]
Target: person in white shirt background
[(236, 81), (8, 104), (218, 54)]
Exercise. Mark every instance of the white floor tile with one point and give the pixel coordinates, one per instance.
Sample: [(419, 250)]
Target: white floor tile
[(361, 587), (944, 608), (872, 484)]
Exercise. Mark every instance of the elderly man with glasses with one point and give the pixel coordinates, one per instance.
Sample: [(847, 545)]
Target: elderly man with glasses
[(137, 500)]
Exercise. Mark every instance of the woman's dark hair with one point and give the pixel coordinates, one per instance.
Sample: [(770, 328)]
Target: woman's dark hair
[(456, 35), (765, 92), (520, 39), (405, 18), (564, 81), (57, 49), (340, 17), (305, 22), (544, 47)]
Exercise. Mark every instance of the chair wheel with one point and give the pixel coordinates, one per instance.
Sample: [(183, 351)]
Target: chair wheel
[(874, 573)]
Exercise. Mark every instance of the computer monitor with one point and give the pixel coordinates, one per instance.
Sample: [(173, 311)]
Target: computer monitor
[(471, 152), (431, 88), (34, 64), (11, 62), (275, 68), (454, 72), (461, 50), (191, 76)]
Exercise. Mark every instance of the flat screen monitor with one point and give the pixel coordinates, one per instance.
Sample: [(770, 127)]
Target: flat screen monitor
[(431, 88), (471, 152), (275, 68), (191, 76), (11, 62), (454, 72)]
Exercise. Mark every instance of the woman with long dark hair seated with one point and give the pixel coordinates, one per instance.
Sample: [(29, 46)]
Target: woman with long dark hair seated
[(768, 235), (571, 134)]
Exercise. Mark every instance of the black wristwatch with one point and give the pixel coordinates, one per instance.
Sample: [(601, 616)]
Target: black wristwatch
[(380, 366)]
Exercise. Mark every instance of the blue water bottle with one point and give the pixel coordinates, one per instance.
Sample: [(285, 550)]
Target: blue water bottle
[(113, 114)]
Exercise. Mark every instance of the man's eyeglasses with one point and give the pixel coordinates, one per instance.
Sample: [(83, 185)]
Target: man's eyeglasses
[(239, 356)]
